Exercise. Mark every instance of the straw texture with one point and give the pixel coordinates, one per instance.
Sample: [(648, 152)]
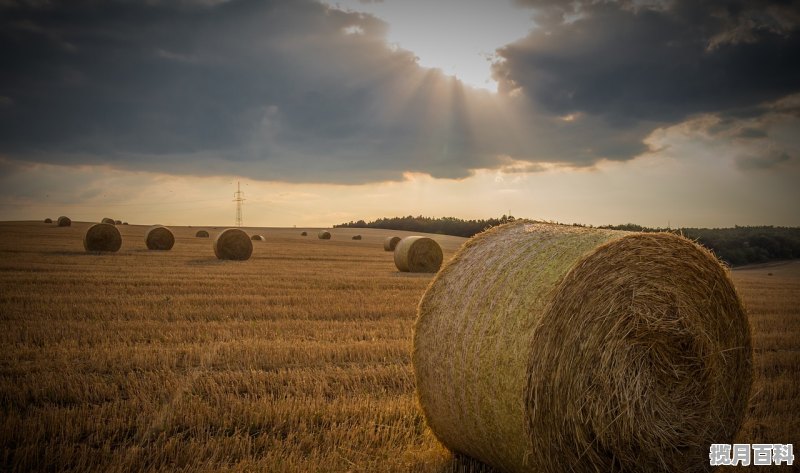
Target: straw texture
[(418, 254), (554, 348), (201, 234), (64, 221), (159, 238), (102, 237), (390, 243), (323, 235), (233, 244)]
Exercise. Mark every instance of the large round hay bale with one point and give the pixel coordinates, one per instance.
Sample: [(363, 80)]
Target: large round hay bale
[(201, 234), (324, 235), (550, 348), (48, 220), (117, 222), (418, 254), (303, 233), (233, 244), (159, 238), (356, 237), (390, 243), (102, 237), (257, 238), (109, 221), (64, 221)]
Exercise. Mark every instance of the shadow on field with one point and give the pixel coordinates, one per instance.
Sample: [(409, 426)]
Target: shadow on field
[(463, 464), (207, 262), (400, 274)]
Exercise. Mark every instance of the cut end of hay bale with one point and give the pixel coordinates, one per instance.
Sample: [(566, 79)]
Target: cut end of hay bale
[(257, 238), (109, 221), (48, 220), (64, 221), (102, 237), (356, 237), (159, 238), (233, 244), (608, 351), (418, 254), (201, 234), (390, 243), (303, 233), (324, 235)]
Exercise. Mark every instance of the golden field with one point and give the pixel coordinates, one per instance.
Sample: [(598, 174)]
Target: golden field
[(295, 360)]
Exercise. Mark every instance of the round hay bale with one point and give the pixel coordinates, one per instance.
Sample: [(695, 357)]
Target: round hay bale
[(303, 233), (356, 237), (48, 220), (117, 222), (233, 244), (324, 235), (390, 243), (64, 221), (201, 234), (418, 254), (257, 238), (109, 221), (102, 237), (124, 223), (159, 238), (550, 348)]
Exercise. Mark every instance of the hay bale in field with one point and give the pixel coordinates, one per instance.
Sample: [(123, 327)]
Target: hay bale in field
[(107, 220), (201, 234), (550, 348), (102, 237), (418, 254), (64, 221), (303, 233), (390, 243), (48, 220), (117, 222), (124, 223), (257, 238), (356, 237), (324, 235), (233, 244), (159, 238)]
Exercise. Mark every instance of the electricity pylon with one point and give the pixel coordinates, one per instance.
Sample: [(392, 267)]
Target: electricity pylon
[(238, 197)]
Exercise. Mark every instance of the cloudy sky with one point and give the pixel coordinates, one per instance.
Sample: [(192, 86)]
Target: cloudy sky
[(677, 112)]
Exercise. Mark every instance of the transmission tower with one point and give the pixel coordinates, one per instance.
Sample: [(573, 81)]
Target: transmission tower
[(238, 197)]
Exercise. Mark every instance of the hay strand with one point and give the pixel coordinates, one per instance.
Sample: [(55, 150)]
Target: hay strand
[(324, 235), (159, 238), (356, 237), (418, 254), (233, 244), (257, 238), (552, 348), (64, 221), (102, 237), (390, 243), (201, 234), (107, 220)]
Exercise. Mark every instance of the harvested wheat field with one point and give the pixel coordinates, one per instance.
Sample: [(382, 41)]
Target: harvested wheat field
[(298, 359)]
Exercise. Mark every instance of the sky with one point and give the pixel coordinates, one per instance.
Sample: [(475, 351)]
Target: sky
[(662, 113)]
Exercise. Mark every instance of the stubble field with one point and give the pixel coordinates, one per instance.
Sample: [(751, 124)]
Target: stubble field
[(296, 360)]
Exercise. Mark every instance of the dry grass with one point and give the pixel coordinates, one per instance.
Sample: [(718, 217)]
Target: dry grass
[(295, 360)]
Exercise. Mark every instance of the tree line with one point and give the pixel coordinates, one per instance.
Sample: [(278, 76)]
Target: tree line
[(736, 246)]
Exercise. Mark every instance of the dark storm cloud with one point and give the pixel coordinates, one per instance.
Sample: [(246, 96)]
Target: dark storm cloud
[(632, 63)]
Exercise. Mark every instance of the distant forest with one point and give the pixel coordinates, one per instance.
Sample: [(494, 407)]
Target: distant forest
[(736, 246)]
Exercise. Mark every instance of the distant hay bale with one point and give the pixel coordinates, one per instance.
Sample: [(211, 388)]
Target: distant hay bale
[(390, 243), (550, 348), (117, 222), (48, 220), (109, 221), (233, 244), (64, 221), (201, 234), (159, 238), (418, 254), (303, 233), (356, 237), (124, 223), (102, 237), (257, 238), (323, 235)]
